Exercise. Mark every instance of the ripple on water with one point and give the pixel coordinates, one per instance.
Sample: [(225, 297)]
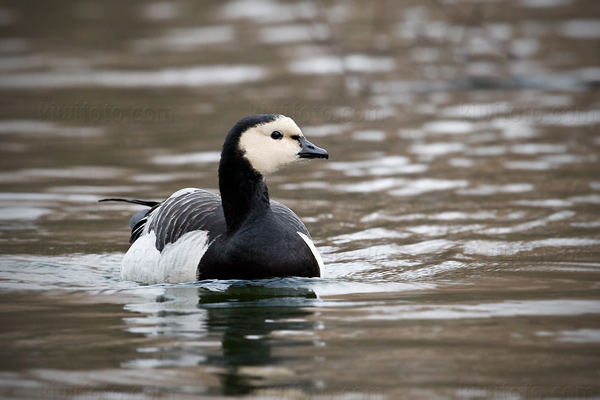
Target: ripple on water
[(545, 3), (45, 197), (426, 247), (425, 185), (369, 234), (98, 274), (575, 336), (486, 190), (322, 65), (590, 224), (436, 149), (324, 130), (189, 158), (83, 173), (75, 189), (22, 213), (74, 272), (369, 135), (559, 216), (443, 230), (485, 310), (268, 12), (432, 270), (373, 256), (449, 127), (514, 128), (560, 203), (498, 248), (87, 172), (538, 148), (580, 29), (591, 199), (476, 110), (39, 128), (20, 63), (390, 165), (545, 163), (443, 216), (160, 11), (186, 39), (294, 33), (306, 185), (461, 162), (164, 177), (174, 77), (487, 151), (373, 185)]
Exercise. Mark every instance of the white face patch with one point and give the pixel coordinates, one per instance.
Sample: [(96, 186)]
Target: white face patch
[(267, 155)]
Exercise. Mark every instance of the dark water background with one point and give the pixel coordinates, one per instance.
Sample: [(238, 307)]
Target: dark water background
[(458, 215)]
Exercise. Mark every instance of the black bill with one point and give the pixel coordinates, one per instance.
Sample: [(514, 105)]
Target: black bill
[(309, 150)]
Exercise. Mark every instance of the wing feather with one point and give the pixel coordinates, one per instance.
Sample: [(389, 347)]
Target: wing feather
[(193, 210), (288, 217)]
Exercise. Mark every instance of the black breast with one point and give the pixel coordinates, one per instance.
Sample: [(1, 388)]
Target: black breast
[(267, 246)]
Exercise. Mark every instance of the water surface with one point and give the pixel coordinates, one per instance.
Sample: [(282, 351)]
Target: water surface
[(458, 215)]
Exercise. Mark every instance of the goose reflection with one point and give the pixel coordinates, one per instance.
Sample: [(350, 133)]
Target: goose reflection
[(243, 316), (246, 316)]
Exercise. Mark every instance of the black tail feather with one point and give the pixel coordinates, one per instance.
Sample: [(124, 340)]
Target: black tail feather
[(136, 223), (147, 203)]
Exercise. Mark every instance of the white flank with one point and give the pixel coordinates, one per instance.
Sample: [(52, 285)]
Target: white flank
[(178, 262), (313, 249)]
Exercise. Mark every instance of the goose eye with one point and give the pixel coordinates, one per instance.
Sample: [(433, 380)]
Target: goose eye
[(276, 135)]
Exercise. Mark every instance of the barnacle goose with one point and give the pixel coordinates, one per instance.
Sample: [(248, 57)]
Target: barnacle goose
[(242, 234)]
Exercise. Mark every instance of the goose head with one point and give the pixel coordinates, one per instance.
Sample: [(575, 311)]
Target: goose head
[(270, 142)]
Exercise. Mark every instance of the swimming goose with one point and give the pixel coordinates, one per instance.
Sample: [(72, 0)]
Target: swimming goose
[(242, 234)]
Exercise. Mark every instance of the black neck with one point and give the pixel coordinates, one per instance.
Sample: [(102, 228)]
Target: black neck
[(243, 190)]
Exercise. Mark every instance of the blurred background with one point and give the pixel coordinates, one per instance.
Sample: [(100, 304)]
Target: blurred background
[(458, 215)]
